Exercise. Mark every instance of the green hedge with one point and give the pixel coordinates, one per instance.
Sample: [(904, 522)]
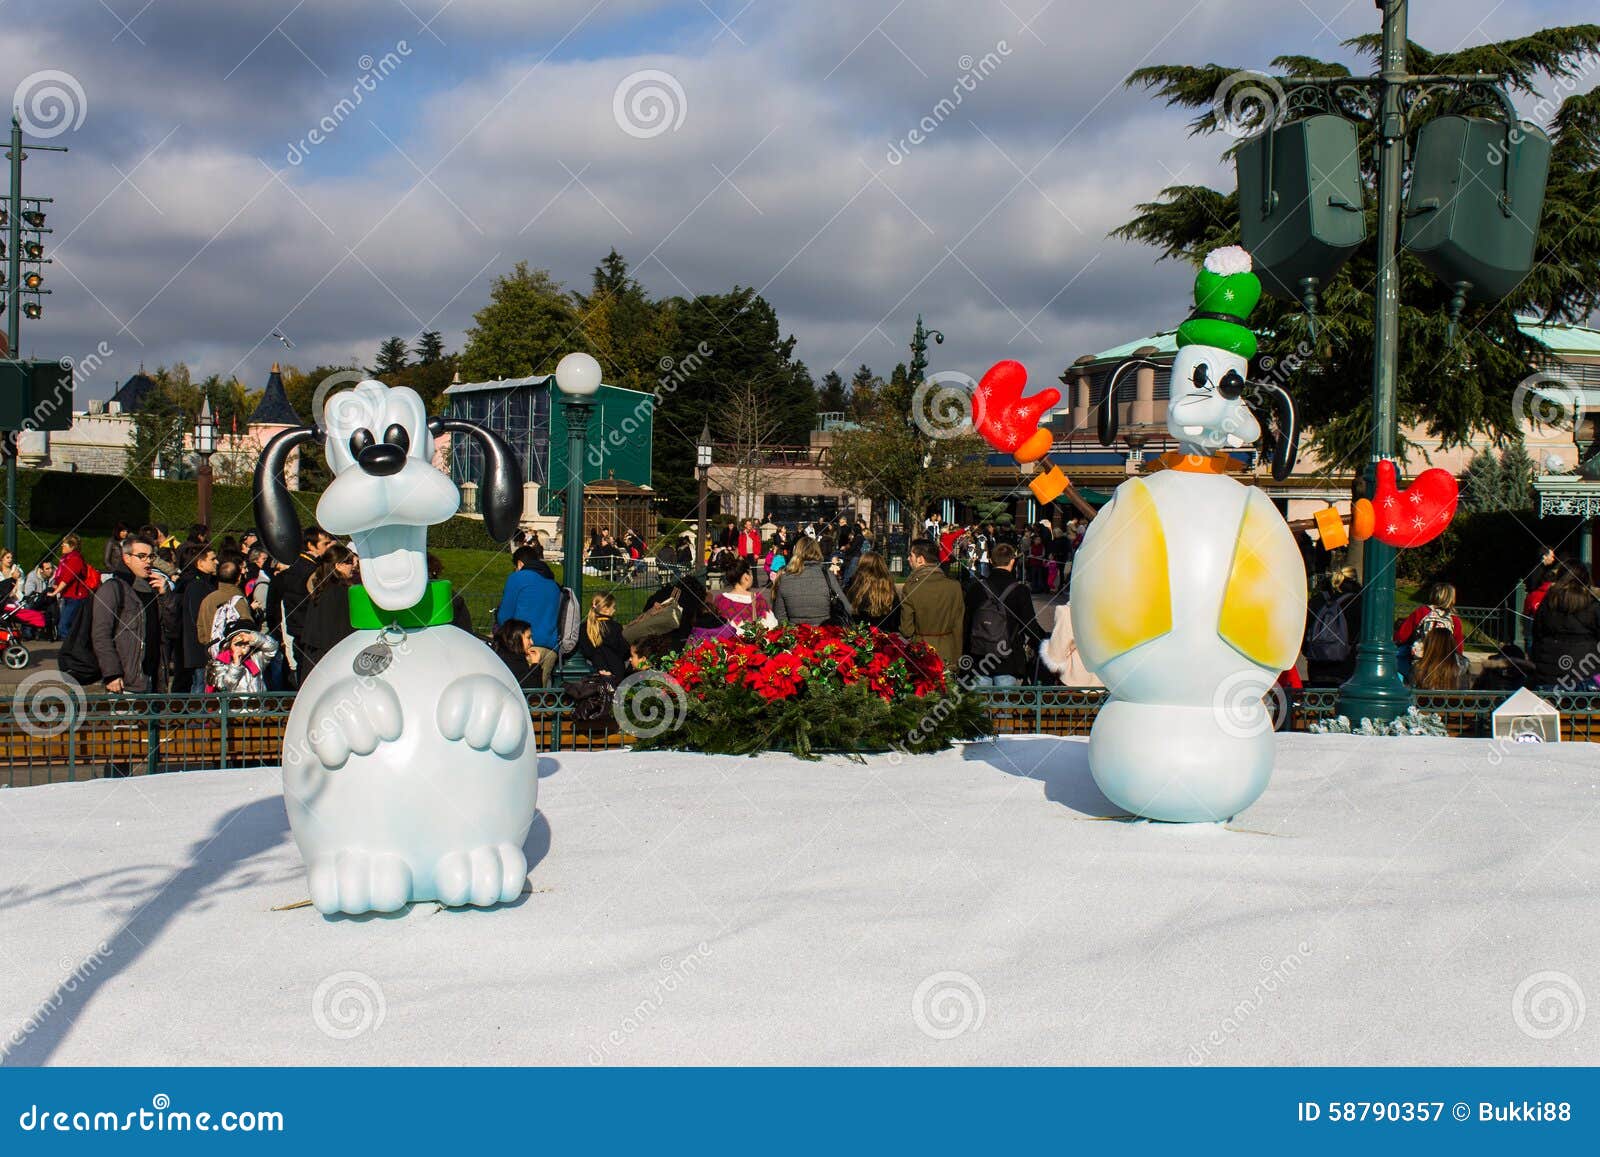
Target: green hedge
[(1486, 553), (53, 502)]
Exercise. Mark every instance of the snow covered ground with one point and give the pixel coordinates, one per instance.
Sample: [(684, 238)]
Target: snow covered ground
[(1387, 901)]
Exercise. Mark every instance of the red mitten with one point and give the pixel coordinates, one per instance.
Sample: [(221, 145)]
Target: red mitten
[(1002, 415), (1419, 513)]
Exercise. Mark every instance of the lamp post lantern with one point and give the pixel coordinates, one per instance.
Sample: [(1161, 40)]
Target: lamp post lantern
[(578, 377), (702, 461), (205, 445)]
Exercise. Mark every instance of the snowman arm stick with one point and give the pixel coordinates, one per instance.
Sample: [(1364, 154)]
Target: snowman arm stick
[(1080, 502)]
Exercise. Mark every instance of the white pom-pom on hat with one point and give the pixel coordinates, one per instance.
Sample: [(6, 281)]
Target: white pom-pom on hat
[(1229, 259)]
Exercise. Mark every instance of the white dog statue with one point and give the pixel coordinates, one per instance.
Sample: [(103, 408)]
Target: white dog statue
[(409, 768)]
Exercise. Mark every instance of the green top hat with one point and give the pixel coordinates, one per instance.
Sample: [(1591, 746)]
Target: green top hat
[(1225, 291)]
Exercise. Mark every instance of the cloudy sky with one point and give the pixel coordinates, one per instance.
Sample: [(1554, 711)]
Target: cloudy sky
[(343, 170)]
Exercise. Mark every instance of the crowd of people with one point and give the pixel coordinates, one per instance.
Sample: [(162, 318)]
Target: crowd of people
[(198, 616)]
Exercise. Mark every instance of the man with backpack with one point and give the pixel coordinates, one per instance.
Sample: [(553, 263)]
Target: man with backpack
[(1001, 624), (124, 628)]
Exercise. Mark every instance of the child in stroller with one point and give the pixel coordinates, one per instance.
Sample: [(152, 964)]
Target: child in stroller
[(20, 619)]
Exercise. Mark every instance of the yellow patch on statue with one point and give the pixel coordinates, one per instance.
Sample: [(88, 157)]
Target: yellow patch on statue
[(1262, 618), (1125, 597)]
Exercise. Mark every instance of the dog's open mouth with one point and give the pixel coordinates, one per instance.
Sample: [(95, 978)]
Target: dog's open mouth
[(394, 564)]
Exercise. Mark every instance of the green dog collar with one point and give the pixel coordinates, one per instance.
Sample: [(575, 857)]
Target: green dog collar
[(433, 611)]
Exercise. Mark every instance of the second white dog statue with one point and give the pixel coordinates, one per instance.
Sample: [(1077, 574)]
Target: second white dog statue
[(409, 767)]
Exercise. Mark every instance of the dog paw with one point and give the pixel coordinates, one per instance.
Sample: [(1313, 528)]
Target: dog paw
[(355, 882), (485, 713), (352, 717), (481, 877)]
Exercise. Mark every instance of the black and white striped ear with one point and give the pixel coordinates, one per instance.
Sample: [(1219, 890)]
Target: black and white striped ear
[(276, 520), (500, 492), (1110, 416)]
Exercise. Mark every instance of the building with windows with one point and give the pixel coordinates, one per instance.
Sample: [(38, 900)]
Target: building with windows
[(102, 434), (528, 413)]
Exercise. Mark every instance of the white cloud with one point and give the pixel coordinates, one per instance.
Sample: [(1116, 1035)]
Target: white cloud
[(995, 227)]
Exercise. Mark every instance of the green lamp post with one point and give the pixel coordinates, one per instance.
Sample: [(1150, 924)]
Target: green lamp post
[(578, 377), (1470, 214)]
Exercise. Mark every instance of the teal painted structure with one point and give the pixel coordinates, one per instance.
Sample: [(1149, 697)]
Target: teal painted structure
[(528, 414)]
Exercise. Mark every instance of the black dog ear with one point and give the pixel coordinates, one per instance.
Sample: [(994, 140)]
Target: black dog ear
[(1110, 416), (276, 520), (500, 492), (1284, 438)]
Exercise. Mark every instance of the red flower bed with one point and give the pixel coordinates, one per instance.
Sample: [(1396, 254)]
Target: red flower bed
[(808, 690), (782, 662)]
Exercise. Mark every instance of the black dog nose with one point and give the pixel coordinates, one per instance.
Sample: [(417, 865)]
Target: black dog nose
[(381, 459), (1231, 386)]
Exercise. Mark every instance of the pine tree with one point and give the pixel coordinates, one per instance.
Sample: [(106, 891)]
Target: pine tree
[(1457, 391), (1481, 483), (864, 389), (1516, 477), (392, 357), (430, 347), (831, 396), (623, 327)]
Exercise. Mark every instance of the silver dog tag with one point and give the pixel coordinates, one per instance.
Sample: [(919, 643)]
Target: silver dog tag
[(373, 660)]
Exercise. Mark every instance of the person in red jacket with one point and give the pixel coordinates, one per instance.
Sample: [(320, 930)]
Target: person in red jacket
[(1438, 611), (72, 583)]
